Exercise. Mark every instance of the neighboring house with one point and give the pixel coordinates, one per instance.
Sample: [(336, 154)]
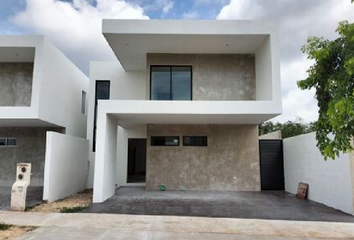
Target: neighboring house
[(181, 105), (40, 91)]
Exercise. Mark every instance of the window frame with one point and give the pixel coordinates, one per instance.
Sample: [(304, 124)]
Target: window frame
[(172, 66), (3, 138), (83, 102), (184, 145), (12, 138), (95, 111), (178, 145)]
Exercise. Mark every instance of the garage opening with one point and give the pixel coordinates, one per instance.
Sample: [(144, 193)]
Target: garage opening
[(272, 164), (136, 160)]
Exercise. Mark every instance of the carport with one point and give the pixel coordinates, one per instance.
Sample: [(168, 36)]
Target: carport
[(277, 205)]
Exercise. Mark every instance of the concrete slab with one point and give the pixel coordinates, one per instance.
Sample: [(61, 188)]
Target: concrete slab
[(60, 233), (34, 196), (107, 226), (227, 204)]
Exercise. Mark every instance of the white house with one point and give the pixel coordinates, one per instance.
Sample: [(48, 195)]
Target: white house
[(182, 104), (41, 91)]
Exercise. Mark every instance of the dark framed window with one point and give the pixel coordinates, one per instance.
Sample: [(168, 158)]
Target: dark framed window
[(164, 141), (83, 102), (11, 142), (198, 141), (170, 82), (3, 142), (102, 92)]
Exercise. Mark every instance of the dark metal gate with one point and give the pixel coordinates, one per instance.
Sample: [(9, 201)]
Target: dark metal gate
[(272, 164)]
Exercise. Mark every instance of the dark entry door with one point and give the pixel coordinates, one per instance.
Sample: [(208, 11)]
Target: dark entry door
[(136, 160), (272, 164)]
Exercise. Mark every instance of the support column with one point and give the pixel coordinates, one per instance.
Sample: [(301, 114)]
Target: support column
[(105, 163)]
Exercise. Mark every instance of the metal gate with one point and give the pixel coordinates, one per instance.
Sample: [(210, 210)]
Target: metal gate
[(272, 164)]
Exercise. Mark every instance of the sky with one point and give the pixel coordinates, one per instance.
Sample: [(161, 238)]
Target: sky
[(74, 26)]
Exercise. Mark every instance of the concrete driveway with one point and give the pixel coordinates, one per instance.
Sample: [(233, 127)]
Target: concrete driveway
[(34, 196), (277, 205), (77, 226)]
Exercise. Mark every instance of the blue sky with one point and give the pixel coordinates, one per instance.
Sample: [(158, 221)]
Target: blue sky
[(74, 26)]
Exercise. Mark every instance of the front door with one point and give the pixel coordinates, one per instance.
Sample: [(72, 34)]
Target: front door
[(136, 160)]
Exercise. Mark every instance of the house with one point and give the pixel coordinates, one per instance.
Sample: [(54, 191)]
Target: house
[(41, 91), (180, 106)]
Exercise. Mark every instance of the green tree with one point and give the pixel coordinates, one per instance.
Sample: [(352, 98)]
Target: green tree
[(332, 75), (288, 129)]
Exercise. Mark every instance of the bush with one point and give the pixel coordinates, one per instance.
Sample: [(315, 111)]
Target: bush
[(71, 210), (4, 227)]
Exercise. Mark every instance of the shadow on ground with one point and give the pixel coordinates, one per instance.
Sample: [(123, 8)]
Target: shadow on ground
[(277, 205)]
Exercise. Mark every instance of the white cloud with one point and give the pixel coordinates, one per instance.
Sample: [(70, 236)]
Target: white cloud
[(168, 5), (75, 27), (297, 20), (157, 5)]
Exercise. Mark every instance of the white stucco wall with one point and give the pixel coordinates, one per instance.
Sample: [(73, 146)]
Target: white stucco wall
[(330, 182), (123, 86), (106, 158), (56, 87), (66, 165), (61, 89)]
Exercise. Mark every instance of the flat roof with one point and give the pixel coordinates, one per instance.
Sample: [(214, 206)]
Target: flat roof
[(131, 40)]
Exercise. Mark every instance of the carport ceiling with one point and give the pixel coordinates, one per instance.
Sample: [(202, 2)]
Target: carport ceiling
[(126, 120)]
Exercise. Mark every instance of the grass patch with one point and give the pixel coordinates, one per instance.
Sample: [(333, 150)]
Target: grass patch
[(71, 209), (4, 227), (29, 208)]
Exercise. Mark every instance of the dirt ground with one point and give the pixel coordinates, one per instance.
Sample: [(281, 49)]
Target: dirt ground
[(14, 232), (82, 200)]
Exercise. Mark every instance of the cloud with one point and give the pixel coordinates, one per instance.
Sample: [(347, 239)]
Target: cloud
[(168, 5), (164, 6), (75, 27), (298, 19)]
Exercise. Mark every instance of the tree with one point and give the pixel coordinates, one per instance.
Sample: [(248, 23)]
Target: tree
[(288, 129), (332, 75)]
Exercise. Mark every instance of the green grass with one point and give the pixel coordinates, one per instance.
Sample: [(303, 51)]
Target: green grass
[(31, 207), (71, 210), (4, 227)]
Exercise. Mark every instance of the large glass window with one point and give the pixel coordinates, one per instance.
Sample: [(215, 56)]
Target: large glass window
[(171, 83), (102, 93)]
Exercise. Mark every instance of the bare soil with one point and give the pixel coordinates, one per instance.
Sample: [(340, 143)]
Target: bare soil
[(14, 232), (82, 199)]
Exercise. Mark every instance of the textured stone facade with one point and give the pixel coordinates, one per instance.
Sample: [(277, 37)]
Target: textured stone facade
[(229, 162), (16, 84), (30, 148)]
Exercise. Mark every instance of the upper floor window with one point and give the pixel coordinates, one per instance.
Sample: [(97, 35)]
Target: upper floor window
[(83, 102), (101, 93), (171, 83)]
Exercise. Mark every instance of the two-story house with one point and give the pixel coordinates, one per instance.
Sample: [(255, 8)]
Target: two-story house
[(181, 105), (40, 91)]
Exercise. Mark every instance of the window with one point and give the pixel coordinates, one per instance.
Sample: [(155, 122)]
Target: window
[(171, 83), (200, 141), (3, 142), (83, 102), (11, 142), (101, 93), (8, 142), (164, 141)]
